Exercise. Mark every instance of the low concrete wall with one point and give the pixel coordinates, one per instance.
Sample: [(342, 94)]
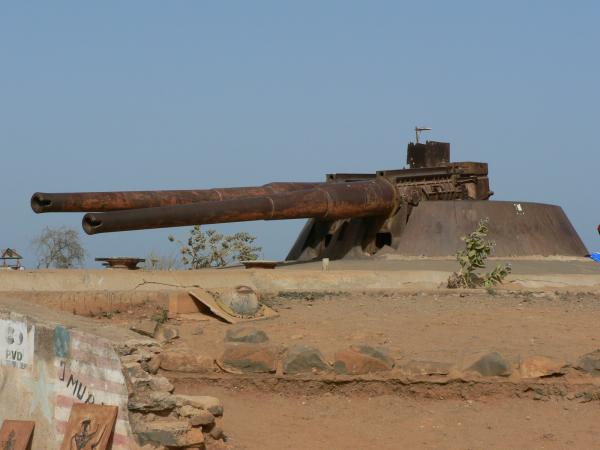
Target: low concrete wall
[(263, 280), (49, 360), (385, 275), (93, 303)]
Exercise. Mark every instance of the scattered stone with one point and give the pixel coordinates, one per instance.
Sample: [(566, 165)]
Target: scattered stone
[(205, 402), (143, 354), (160, 383), (216, 432), (362, 359), (590, 363), (202, 418), (194, 437), (134, 345), (188, 411), (540, 366), (169, 432), (127, 359), (303, 359), (153, 382), (185, 361), (134, 370), (249, 335), (144, 327), (492, 365), (426, 368), (153, 365), (148, 400), (253, 358), (156, 349), (166, 333), (198, 330)]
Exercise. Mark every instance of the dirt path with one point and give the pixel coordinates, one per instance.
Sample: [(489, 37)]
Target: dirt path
[(263, 421), (434, 326)]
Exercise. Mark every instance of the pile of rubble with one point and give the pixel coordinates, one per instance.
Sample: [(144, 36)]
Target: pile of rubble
[(158, 418)]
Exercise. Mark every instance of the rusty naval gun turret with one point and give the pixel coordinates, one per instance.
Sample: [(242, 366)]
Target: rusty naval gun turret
[(421, 210)]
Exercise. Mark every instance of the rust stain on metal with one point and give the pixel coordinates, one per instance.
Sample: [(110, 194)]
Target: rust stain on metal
[(350, 214), (42, 202)]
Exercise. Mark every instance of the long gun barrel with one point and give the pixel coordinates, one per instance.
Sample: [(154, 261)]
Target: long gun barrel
[(327, 201), (419, 210), (42, 202)]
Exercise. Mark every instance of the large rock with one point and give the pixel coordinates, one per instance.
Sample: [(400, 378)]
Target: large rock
[(491, 365), (166, 333), (202, 419), (144, 327), (153, 364), (149, 400), (590, 363), (205, 402), (541, 366), (250, 335), (134, 370), (304, 359), (185, 361), (188, 411), (253, 358), (151, 382), (419, 368), (362, 359), (169, 432)]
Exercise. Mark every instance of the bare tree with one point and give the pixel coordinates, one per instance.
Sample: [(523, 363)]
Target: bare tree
[(59, 247)]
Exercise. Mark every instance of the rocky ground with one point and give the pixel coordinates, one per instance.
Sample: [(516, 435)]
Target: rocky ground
[(441, 369)]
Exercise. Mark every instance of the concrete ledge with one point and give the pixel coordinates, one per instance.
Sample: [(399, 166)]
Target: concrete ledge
[(263, 280)]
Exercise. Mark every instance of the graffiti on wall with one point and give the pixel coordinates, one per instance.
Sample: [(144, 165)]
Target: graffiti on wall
[(89, 372), (16, 344)]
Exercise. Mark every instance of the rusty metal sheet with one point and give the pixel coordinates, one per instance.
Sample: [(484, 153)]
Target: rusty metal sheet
[(430, 154), (518, 229)]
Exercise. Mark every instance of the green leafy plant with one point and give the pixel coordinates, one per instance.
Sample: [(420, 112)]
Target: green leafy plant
[(210, 248), (163, 317), (473, 257)]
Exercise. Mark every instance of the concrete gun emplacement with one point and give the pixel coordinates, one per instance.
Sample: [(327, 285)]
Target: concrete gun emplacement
[(419, 211)]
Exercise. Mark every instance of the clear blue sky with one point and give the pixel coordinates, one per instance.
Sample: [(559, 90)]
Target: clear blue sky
[(151, 94)]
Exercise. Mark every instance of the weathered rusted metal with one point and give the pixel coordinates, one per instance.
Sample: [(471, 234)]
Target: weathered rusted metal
[(430, 154), (329, 201), (518, 229), (422, 210), (42, 202), (121, 262)]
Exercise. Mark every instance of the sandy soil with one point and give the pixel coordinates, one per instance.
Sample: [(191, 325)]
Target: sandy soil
[(436, 326), (262, 421)]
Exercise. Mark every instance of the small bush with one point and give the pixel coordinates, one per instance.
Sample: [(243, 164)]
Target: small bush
[(472, 258), (163, 317), (210, 248)]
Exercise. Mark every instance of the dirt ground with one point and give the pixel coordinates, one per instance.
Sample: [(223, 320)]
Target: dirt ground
[(440, 326), (263, 421)]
